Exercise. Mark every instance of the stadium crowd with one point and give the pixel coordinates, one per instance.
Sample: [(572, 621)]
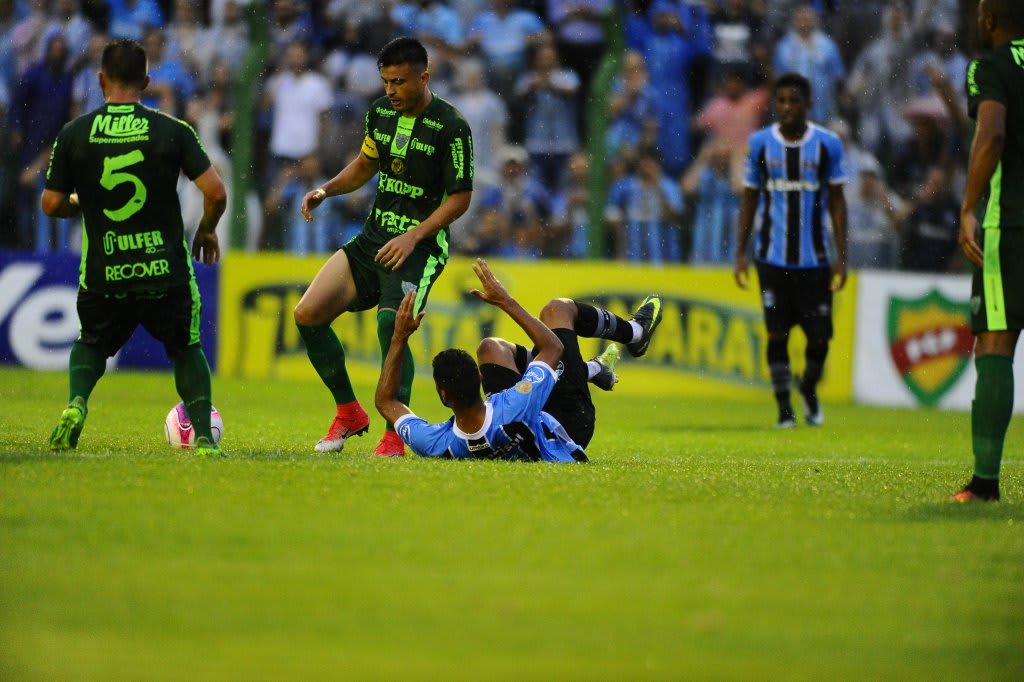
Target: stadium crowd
[(888, 77)]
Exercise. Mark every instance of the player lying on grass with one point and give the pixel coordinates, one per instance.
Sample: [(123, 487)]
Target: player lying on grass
[(534, 414)]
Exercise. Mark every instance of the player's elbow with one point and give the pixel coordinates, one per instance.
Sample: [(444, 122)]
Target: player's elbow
[(51, 204)]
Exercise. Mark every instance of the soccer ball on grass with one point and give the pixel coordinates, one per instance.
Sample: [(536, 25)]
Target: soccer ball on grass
[(179, 431)]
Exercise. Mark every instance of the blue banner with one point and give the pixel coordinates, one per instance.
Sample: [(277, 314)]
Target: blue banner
[(39, 319)]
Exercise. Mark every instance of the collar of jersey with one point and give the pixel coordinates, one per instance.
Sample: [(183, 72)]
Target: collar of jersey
[(777, 134), (488, 417)]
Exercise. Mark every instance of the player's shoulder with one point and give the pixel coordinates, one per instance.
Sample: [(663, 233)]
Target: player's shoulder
[(760, 138), (381, 108), (823, 134), (445, 112)]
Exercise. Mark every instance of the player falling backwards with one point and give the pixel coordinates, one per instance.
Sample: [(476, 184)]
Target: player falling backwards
[(421, 149), (537, 410), (119, 166)]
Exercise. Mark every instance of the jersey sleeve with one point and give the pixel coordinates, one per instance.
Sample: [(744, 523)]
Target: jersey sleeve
[(983, 83), (836, 171), (458, 159), (194, 160), (58, 175), (752, 166), (369, 146), (526, 399), (425, 439)]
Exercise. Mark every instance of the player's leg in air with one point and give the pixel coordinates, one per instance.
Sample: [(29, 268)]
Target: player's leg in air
[(332, 292), (502, 363)]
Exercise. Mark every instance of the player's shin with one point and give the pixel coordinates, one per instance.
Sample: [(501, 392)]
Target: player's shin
[(327, 356), (990, 413), (86, 367), (192, 379)]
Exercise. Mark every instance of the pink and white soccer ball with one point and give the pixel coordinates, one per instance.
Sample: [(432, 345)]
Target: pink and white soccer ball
[(179, 431)]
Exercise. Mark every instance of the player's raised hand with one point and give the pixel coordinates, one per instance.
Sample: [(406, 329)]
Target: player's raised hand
[(405, 322), (968, 239), (493, 291), (206, 247), (311, 201)]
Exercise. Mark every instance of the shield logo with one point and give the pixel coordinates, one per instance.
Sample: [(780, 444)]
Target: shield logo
[(397, 166), (401, 139), (930, 342)]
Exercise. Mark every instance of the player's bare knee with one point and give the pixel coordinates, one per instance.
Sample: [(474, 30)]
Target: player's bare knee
[(558, 312), (494, 350), (307, 315)]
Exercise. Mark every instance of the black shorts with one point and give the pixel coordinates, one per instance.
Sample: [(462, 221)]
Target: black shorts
[(797, 296), (569, 401), (170, 316), (997, 288), (377, 286)]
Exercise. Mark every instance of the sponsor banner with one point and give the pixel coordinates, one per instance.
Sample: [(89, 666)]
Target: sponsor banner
[(914, 342), (711, 340), (39, 318)]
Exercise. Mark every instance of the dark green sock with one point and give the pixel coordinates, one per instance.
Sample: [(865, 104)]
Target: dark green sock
[(328, 359), (990, 412), (87, 365), (385, 328), (192, 379)]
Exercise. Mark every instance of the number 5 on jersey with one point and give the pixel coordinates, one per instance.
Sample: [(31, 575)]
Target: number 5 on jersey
[(112, 177)]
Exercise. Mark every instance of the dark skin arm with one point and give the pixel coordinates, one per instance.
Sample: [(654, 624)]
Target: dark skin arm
[(59, 205), (386, 396), (743, 230), (986, 151), (205, 245), (837, 210)]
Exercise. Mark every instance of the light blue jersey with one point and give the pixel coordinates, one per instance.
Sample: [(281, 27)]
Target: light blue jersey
[(515, 428), (792, 209)]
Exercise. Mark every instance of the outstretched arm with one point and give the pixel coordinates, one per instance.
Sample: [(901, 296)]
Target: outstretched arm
[(386, 397), (353, 176), (549, 348)]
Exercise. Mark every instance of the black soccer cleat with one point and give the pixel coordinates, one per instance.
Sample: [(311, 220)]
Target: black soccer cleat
[(648, 316), (606, 378)]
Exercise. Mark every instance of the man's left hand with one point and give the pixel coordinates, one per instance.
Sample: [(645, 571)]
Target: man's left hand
[(838, 276), (394, 253), (405, 322), (206, 247)]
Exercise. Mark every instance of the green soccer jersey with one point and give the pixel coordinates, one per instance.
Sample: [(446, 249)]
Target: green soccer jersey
[(124, 161), (422, 160), (999, 76)]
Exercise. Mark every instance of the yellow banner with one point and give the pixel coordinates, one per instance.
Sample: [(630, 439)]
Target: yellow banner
[(711, 340)]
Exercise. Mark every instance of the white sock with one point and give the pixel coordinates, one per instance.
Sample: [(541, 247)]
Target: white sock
[(638, 331), (593, 369)]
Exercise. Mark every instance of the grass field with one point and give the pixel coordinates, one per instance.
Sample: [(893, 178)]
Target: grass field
[(698, 544)]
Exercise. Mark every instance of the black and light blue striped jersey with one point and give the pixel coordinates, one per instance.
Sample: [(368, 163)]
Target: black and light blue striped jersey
[(793, 180)]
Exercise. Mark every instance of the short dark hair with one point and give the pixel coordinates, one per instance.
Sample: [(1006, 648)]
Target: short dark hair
[(125, 62), (403, 50), (1009, 12), (456, 372), (794, 80)]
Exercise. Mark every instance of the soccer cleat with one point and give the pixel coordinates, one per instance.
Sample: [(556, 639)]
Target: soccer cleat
[(978, 490), (814, 415), (390, 445), (648, 316), (69, 428), (606, 378), (205, 448), (351, 420), (786, 420)]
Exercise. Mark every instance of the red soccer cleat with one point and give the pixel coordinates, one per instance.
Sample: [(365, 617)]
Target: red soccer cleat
[(351, 420), (390, 445), (967, 495)]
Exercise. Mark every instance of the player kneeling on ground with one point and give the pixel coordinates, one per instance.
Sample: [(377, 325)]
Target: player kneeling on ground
[(518, 420)]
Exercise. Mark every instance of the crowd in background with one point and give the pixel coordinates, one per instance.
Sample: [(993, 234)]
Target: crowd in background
[(695, 80)]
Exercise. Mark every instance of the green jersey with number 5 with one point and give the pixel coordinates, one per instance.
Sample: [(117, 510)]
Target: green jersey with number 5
[(124, 161)]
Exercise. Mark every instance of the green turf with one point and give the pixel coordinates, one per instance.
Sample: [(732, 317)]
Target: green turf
[(698, 544)]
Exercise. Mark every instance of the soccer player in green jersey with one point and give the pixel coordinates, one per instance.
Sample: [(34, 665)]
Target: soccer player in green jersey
[(420, 148), (995, 93), (119, 167)]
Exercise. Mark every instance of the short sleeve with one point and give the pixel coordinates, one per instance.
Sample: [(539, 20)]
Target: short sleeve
[(526, 399), (836, 160), (194, 160), (369, 145), (425, 439), (59, 177), (983, 83), (752, 166), (458, 159)]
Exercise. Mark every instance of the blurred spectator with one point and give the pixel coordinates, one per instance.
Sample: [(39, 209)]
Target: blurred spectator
[(132, 18), (736, 112), (855, 157), (86, 93), (549, 94), (668, 52), (579, 36), (879, 83), (808, 51), (935, 13), (643, 212), (873, 210), (438, 27), (299, 98), (570, 219), (487, 117), (228, 40), (290, 23), (632, 107), (503, 35), (69, 20), (932, 226), (285, 201), (170, 84), (944, 55), (712, 183), (27, 37), (511, 211), (737, 45), (211, 113), (187, 40), (40, 107), (930, 145)]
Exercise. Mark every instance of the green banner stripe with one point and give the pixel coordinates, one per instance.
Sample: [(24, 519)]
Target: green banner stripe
[(992, 277)]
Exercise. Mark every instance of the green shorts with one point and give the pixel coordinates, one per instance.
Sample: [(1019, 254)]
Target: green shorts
[(997, 289), (171, 316), (378, 286)]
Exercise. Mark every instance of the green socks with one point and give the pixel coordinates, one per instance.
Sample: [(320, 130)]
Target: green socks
[(192, 379), (328, 359), (385, 329), (87, 365), (990, 412)]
